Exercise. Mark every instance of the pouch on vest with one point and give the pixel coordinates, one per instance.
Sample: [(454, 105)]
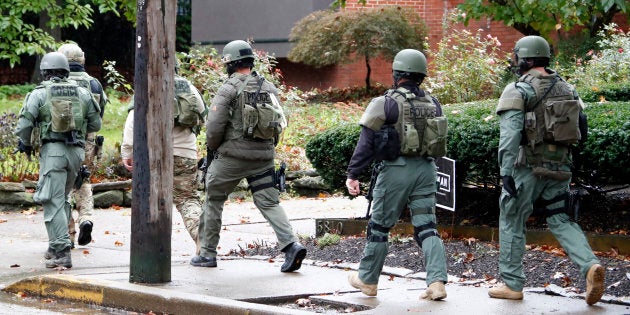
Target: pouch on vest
[(434, 140), (412, 140), (66, 111), (562, 121), (261, 111), (186, 103)]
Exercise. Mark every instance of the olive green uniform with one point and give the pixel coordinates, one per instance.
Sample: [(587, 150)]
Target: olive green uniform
[(59, 161), (531, 188), (404, 182), (237, 158)]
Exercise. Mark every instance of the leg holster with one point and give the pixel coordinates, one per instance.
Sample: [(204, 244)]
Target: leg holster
[(254, 178), (378, 227), (541, 205), (417, 230)]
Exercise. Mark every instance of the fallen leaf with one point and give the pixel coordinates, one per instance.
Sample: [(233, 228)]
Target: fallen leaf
[(117, 243), (107, 232), (3, 220), (86, 252), (48, 300), (391, 278), (15, 266), (21, 294)]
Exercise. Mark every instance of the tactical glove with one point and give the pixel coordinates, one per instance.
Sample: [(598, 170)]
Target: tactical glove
[(509, 185), (22, 148)]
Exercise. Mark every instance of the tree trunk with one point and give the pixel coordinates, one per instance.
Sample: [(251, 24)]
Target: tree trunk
[(367, 75), (44, 18), (151, 207)]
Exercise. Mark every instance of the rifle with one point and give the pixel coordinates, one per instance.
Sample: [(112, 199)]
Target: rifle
[(375, 170), (84, 173), (281, 177)]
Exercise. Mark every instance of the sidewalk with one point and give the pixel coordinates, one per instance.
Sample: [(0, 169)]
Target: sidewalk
[(237, 286)]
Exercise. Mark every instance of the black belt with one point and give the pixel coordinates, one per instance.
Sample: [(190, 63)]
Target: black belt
[(78, 144)]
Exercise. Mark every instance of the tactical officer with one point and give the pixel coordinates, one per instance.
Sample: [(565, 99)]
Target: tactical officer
[(65, 114), (237, 156), (84, 202), (185, 197), (535, 166), (398, 132)]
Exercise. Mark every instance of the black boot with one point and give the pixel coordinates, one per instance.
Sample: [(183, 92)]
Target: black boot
[(50, 253), (85, 232), (61, 259), (294, 253)]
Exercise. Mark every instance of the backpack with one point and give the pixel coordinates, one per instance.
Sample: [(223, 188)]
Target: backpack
[(186, 105), (84, 80), (556, 114), (263, 117), (420, 132)]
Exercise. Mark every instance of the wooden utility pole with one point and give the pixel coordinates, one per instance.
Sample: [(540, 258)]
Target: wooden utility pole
[(151, 207)]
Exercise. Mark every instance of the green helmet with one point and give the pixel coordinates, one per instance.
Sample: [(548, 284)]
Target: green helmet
[(236, 50), (53, 61), (73, 52), (410, 60), (532, 46)]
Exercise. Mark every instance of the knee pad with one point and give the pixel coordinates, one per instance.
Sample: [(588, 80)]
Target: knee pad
[(417, 230), (378, 227), (541, 205)]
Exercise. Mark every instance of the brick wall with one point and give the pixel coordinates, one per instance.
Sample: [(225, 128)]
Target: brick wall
[(432, 12)]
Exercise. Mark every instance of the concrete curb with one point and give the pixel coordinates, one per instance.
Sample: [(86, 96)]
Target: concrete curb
[(139, 298)]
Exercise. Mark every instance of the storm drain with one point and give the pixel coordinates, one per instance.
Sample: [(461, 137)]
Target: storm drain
[(310, 303)]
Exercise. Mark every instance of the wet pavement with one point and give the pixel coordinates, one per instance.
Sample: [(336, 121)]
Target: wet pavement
[(254, 285)]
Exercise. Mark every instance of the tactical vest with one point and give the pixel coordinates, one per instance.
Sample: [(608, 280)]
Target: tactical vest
[(420, 132), (62, 117), (553, 115), (185, 111), (551, 125), (83, 79), (258, 110)]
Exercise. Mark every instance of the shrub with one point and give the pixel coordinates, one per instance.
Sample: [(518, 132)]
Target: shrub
[(15, 91), (606, 152), (14, 166), (466, 67), (328, 239), (611, 63), (330, 153)]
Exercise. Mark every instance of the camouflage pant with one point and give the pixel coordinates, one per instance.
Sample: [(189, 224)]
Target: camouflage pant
[(84, 202), (185, 196)]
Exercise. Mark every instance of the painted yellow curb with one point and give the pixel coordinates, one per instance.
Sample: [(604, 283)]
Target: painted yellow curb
[(61, 286)]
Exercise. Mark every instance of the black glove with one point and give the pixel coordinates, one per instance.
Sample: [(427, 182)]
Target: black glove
[(509, 185), (22, 148)]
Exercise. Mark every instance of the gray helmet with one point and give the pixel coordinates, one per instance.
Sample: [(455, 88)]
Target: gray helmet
[(236, 50), (54, 61), (73, 52), (410, 60), (531, 47)]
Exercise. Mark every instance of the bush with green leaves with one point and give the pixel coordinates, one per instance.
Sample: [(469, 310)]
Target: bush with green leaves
[(330, 153), (14, 166), (605, 68), (15, 91), (466, 67), (605, 155)]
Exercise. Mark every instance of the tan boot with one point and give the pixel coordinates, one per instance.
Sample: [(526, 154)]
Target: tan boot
[(435, 291), (502, 291), (594, 284), (367, 289)]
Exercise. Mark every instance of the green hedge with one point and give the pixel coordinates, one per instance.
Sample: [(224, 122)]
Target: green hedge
[(613, 92), (473, 142)]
